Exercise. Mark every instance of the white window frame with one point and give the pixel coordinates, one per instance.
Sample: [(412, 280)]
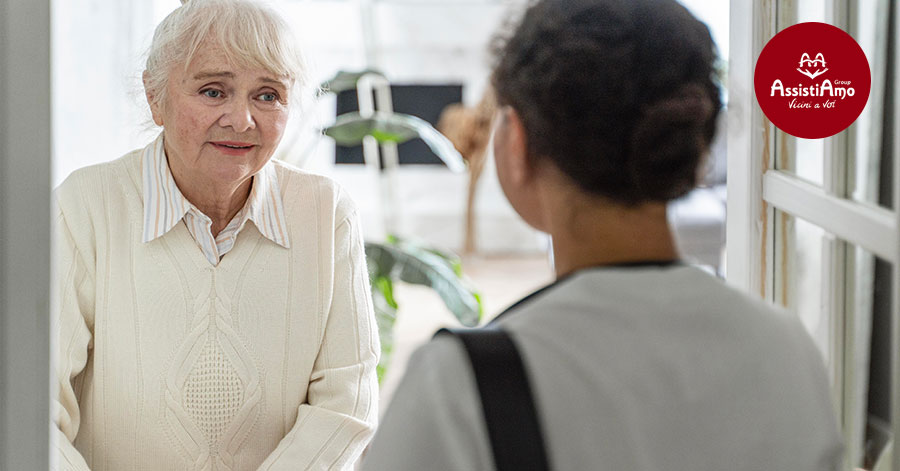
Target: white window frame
[(756, 190)]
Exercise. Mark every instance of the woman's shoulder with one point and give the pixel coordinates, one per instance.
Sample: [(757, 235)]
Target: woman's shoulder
[(91, 177), (94, 181), (299, 186), (290, 175)]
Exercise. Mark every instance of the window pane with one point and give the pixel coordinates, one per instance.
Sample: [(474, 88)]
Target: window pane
[(842, 295), (869, 159), (802, 157), (872, 350), (800, 11), (799, 282), (867, 346)]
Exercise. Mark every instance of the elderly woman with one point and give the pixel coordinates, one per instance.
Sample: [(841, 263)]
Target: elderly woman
[(214, 310), (636, 360)]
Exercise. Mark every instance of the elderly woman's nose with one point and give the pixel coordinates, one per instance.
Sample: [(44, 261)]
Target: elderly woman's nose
[(238, 115)]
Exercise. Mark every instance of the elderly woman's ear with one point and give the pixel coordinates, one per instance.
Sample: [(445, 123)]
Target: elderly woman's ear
[(151, 100)]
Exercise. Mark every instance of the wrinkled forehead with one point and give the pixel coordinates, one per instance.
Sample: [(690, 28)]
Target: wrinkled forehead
[(215, 53), (213, 59)]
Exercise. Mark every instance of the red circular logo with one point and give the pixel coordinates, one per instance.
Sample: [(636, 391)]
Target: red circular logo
[(812, 80)]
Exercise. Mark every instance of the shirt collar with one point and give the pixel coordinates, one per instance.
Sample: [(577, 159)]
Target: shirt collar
[(266, 208), (165, 206)]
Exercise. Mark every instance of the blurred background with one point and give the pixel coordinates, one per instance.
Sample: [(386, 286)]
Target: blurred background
[(434, 54)]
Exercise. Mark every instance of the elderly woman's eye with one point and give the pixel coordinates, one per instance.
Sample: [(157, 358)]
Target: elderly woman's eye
[(268, 97), (212, 93)]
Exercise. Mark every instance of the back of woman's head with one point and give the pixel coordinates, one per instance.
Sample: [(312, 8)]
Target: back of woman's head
[(618, 94)]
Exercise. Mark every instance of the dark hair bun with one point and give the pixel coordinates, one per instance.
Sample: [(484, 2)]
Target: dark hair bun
[(669, 142), (618, 94)]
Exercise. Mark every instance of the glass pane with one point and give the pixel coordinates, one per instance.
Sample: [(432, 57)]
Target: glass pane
[(869, 180), (803, 157), (799, 284), (867, 355), (848, 321), (800, 11), (873, 352)]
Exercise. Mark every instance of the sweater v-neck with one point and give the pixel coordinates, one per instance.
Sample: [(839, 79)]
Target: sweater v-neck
[(183, 238)]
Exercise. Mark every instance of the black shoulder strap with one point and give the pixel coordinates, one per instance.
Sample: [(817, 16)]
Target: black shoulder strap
[(509, 409)]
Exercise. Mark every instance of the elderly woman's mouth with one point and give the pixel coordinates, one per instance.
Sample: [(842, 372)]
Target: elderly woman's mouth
[(233, 148)]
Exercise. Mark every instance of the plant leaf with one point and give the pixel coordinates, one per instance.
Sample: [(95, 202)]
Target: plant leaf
[(386, 287), (453, 260), (380, 261), (344, 80), (349, 129), (419, 266), (385, 317)]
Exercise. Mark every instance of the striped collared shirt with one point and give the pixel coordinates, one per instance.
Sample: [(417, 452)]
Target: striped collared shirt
[(165, 206)]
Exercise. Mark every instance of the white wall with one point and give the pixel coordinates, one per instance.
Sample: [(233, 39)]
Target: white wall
[(98, 114)]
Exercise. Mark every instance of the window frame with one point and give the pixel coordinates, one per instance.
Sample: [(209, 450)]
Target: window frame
[(756, 189)]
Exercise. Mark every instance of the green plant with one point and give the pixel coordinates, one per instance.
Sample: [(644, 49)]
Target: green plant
[(350, 128), (416, 263), (402, 259), (344, 80)]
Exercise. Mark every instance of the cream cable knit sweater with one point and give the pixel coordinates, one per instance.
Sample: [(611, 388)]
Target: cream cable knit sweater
[(266, 361)]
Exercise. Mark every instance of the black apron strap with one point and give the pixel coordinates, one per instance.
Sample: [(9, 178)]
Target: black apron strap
[(509, 409)]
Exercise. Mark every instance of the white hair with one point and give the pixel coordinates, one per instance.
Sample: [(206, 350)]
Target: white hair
[(248, 32)]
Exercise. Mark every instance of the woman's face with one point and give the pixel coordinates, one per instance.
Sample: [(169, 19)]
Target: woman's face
[(222, 122)]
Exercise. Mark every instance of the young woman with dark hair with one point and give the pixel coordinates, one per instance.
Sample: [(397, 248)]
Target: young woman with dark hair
[(635, 359)]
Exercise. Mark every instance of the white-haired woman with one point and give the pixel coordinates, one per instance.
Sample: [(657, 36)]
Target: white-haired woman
[(214, 304)]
